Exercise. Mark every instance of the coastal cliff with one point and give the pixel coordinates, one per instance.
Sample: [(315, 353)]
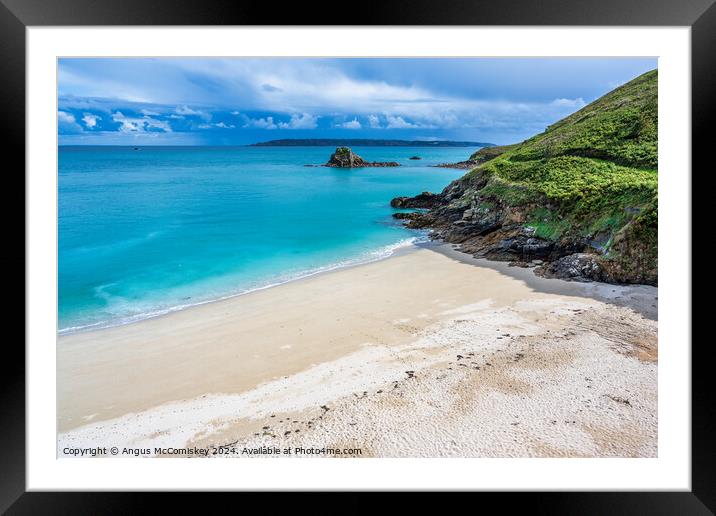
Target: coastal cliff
[(579, 201)]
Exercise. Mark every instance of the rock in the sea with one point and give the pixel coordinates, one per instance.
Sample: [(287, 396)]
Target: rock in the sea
[(415, 157), (344, 157), (424, 200)]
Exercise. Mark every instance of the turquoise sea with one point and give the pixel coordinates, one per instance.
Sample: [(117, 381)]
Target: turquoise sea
[(143, 232)]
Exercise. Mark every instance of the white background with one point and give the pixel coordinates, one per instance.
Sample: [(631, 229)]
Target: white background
[(671, 470)]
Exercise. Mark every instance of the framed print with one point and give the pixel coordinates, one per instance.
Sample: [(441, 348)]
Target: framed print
[(452, 249)]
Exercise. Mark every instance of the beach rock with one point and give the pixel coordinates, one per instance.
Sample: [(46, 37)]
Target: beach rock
[(423, 200), (526, 246), (577, 267), (497, 231), (487, 227), (405, 215), (344, 157)]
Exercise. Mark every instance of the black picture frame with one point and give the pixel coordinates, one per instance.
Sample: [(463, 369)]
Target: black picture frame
[(17, 15)]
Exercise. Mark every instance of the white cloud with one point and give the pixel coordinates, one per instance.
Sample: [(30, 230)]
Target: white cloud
[(320, 90), (302, 121), (222, 125), (67, 123), (260, 123), (127, 125), (398, 122), (65, 117), (351, 124), (186, 110), (90, 120), (297, 121), (308, 89), (149, 112), (139, 125), (158, 124), (572, 103)]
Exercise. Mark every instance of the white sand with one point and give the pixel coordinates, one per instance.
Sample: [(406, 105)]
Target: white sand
[(539, 374)]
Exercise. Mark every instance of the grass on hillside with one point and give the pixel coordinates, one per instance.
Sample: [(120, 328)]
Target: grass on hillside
[(591, 172)]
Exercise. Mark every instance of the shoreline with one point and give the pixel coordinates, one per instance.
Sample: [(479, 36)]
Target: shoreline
[(590, 289), (638, 297), (402, 246), (376, 343)]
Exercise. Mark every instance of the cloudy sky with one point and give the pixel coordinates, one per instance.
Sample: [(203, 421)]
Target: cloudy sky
[(235, 101)]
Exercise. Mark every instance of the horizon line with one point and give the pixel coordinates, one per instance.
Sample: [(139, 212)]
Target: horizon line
[(466, 143)]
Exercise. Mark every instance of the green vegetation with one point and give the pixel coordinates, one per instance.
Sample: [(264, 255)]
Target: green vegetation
[(592, 174), (488, 153), (509, 192), (546, 224), (621, 127)]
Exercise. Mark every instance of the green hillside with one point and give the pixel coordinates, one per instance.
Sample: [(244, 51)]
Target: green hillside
[(590, 177)]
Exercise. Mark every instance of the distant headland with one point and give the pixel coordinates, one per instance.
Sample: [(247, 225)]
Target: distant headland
[(358, 142)]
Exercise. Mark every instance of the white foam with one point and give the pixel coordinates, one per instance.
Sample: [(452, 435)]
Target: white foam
[(368, 257)]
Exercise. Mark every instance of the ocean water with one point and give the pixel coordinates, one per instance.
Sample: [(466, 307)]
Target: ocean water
[(143, 232)]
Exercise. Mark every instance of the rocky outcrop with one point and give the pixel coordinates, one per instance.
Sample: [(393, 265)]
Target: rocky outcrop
[(577, 267), (344, 157), (424, 200), (488, 228), (465, 165), (478, 158)]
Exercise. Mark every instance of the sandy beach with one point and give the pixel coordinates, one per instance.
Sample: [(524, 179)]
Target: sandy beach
[(428, 353)]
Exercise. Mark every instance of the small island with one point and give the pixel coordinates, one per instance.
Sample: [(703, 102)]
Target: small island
[(344, 157)]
